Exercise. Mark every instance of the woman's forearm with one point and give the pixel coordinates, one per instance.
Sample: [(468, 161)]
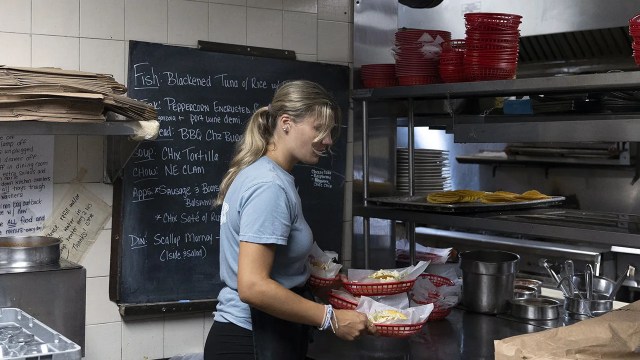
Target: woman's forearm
[(269, 296)]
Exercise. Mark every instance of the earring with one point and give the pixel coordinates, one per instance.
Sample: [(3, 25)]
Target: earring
[(285, 129)]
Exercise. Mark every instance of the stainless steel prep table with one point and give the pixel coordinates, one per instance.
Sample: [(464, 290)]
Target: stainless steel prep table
[(462, 335)]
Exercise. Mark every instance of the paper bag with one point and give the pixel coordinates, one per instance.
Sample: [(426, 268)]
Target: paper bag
[(614, 335)]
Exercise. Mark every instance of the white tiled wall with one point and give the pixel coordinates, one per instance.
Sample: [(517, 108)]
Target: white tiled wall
[(91, 35)]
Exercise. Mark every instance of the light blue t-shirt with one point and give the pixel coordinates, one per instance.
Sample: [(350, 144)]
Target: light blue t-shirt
[(261, 206)]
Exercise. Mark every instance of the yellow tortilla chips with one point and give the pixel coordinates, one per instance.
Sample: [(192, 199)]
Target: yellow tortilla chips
[(464, 196)]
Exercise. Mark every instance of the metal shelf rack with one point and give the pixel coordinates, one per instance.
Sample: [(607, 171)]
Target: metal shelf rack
[(492, 129)]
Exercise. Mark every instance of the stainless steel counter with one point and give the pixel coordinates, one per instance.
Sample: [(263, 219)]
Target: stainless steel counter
[(462, 335)]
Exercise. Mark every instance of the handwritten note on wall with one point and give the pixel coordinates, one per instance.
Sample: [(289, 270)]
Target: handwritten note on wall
[(76, 222), (26, 183)]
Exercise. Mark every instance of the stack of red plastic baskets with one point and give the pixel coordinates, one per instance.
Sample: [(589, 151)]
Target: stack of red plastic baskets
[(378, 75), (491, 46), (634, 31), (452, 61), (417, 55)]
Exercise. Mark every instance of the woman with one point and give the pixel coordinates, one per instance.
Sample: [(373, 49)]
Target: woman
[(263, 311)]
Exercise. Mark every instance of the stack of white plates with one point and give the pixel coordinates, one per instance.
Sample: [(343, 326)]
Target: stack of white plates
[(431, 170)]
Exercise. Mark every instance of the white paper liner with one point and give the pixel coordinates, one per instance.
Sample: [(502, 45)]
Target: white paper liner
[(346, 296), (415, 315), (443, 297), (329, 268), (406, 274), (436, 255)]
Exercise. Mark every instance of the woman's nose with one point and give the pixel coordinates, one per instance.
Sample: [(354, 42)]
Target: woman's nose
[(327, 140)]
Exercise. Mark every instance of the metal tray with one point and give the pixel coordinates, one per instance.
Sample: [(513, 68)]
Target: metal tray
[(419, 202), (46, 343)]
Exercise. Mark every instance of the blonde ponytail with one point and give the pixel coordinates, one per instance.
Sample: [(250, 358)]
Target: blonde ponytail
[(298, 99)]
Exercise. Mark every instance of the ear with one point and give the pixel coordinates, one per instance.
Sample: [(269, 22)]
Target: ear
[(285, 120)]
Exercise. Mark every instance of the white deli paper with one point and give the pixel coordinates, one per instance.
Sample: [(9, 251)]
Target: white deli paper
[(415, 315), (405, 274), (436, 255), (443, 297), (321, 263)]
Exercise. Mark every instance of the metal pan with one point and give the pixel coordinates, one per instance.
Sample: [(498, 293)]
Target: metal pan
[(537, 284), (524, 291), (27, 251), (419, 202), (600, 285), (541, 308)]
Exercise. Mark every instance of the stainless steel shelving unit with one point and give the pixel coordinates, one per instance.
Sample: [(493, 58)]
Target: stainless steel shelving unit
[(612, 81), (492, 129)]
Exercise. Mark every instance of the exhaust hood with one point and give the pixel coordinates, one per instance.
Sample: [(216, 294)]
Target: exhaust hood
[(557, 36)]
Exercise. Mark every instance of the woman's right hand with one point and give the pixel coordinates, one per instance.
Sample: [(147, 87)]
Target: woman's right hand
[(353, 324)]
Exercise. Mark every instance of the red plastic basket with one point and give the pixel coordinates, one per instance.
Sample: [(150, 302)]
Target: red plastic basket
[(492, 44), (399, 330), (378, 289), (339, 302), (437, 313), (317, 281), (437, 280), (486, 73), (453, 45), (492, 21)]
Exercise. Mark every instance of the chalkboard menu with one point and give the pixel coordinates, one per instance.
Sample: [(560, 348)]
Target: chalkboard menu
[(166, 229)]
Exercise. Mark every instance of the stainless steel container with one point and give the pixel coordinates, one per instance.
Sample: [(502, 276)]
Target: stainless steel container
[(26, 251), (535, 309), (36, 280), (487, 280), (600, 285), (582, 308), (537, 284), (524, 291)]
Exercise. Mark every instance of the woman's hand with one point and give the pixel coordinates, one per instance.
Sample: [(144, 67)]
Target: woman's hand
[(353, 324)]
